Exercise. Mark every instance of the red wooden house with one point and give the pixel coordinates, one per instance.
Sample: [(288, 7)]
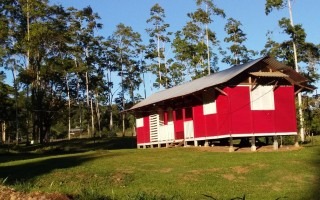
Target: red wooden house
[(249, 100)]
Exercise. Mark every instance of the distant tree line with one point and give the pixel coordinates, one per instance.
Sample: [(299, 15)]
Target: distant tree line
[(66, 76)]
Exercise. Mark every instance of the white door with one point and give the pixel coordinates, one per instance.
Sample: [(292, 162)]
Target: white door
[(188, 129)]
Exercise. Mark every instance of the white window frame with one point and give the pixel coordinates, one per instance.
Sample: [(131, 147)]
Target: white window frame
[(262, 97), (139, 122), (209, 103)]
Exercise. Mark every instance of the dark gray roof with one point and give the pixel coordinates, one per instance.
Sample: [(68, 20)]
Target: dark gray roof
[(203, 83)]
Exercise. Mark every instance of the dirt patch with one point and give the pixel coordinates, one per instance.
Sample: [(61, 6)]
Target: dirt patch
[(189, 177), (294, 178), (9, 193), (259, 165), (229, 177), (213, 169), (240, 169), (121, 178), (165, 170)]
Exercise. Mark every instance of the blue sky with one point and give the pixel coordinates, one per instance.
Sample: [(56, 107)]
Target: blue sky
[(250, 12)]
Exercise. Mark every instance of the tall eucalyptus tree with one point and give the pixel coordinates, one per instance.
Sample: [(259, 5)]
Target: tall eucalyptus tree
[(295, 51), (239, 52), (38, 42), (127, 45), (85, 51), (156, 50), (193, 45)]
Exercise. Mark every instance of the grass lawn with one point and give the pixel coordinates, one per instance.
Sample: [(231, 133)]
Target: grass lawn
[(102, 172)]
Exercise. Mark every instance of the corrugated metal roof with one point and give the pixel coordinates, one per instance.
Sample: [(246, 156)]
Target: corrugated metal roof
[(196, 85), (269, 74), (216, 79), (293, 75)]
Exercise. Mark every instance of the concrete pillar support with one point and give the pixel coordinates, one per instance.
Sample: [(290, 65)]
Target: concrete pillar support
[(296, 142), (275, 143), (206, 143), (196, 143), (231, 149), (253, 143)]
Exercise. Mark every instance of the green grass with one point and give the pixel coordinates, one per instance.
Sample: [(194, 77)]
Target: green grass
[(102, 172)]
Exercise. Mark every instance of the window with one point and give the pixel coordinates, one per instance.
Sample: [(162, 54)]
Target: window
[(139, 122), (209, 103), (179, 114), (188, 113), (262, 98)]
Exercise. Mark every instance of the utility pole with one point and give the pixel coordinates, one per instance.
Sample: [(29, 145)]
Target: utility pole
[(301, 118)]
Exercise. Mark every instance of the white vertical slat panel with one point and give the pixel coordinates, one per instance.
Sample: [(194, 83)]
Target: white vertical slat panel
[(188, 130)]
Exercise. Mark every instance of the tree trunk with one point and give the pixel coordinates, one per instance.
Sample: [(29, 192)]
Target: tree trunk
[(69, 108), (301, 118), (98, 116), (88, 104), (92, 120), (3, 131), (111, 121), (16, 102), (208, 49), (123, 125)]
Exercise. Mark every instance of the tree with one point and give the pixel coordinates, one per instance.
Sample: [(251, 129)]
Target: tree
[(300, 48), (239, 52), (175, 73), (37, 40), (127, 48), (87, 52), (156, 50), (7, 105), (193, 45)]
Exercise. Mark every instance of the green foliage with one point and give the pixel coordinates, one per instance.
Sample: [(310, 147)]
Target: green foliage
[(274, 4), (6, 102), (312, 114), (127, 46), (239, 52), (193, 45), (156, 50)]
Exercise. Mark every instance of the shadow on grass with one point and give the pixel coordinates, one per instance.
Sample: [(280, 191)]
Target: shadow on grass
[(27, 172), (23, 152), (87, 144)]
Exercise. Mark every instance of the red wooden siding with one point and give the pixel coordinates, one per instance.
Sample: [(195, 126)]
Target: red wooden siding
[(204, 125), (199, 121), (223, 113), (178, 124), (285, 116), (143, 133), (234, 116), (240, 110)]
